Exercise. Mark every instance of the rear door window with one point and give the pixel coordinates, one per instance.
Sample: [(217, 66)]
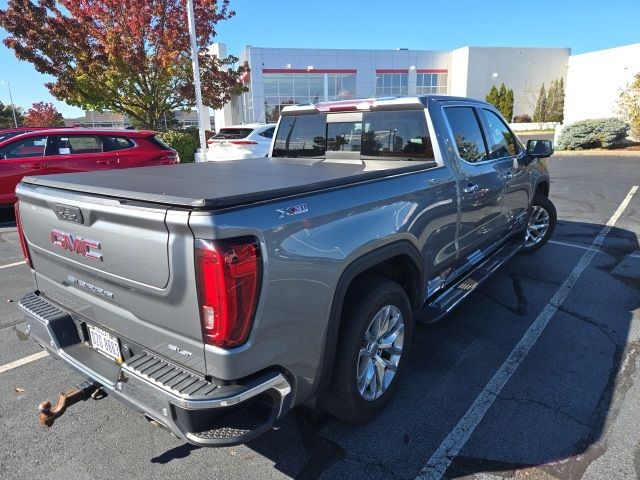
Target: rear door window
[(77, 145), (300, 136), (268, 133), (467, 133), (502, 142)]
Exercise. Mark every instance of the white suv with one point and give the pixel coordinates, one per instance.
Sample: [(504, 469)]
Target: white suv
[(241, 141)]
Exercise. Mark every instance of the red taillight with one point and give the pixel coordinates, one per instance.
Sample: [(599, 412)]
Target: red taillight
[(23, 241), (228, 275), (243, 142)]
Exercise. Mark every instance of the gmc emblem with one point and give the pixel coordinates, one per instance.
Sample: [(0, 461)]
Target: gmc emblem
[(82, 246)]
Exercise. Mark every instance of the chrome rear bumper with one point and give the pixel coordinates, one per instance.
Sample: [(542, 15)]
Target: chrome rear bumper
[(191, 407)]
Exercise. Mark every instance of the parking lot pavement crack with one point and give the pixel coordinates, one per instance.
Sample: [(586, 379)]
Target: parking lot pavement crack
[(539, 403), (378, 464), (609, 332)]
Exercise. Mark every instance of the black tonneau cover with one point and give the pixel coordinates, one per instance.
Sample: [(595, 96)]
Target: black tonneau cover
[(219, 184)]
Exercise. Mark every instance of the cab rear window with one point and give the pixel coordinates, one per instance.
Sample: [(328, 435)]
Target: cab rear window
[(401, 135)]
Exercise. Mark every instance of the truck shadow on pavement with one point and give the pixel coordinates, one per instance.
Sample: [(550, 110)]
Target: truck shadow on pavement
[(550, 415)]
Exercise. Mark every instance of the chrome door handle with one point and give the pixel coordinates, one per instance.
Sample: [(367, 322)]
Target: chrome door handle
[(471, 188)]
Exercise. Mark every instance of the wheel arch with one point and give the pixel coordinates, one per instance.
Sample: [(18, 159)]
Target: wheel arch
[(401, 254)]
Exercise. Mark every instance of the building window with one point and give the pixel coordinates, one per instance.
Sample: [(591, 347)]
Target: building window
[(431, 83), (341, 86), (391, 84), (282, 89)]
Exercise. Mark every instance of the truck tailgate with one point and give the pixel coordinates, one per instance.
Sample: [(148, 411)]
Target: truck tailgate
[(110, 262)]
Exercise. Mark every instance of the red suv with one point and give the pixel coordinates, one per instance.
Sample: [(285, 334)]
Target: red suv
[(65, 150)]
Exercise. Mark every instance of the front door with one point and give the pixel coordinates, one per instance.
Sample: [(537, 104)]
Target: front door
[(505, 149), (481, 186)]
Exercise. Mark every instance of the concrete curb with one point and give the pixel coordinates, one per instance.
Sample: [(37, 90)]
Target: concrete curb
[(596, 152)]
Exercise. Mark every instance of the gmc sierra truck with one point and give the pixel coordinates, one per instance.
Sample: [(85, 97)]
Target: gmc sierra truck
[(214, 297)]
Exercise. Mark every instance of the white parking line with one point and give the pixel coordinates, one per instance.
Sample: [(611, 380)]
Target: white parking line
[(439, 462), (12, 265), (23, 361), (582, 247)]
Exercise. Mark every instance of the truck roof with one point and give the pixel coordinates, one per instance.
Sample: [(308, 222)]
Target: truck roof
[(220, 184)]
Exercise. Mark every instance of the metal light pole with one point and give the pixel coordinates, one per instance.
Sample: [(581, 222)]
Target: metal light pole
[(196, 75), (13, 108)]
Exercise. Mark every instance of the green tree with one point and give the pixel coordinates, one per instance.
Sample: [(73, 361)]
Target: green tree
[(6, 116), (555, 101), (493, 97), (129, 57), (541, 112), (629, 104), (502, 99), (506, 105)]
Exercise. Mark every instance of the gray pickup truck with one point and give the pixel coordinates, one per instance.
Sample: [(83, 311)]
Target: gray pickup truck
[(215, 297)]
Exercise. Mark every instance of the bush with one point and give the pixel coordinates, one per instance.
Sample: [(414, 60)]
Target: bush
[(603, 132), (185, 142), (524, 118)]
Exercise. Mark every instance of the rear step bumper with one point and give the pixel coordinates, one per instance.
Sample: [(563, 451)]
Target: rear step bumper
[(185, 403)]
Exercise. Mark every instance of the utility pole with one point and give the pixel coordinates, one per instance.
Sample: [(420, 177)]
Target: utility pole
[(13, 107), (196, 75)]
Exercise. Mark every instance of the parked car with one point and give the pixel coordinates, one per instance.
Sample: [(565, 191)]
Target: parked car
[(45, 151), (241, 142), (213, 297)]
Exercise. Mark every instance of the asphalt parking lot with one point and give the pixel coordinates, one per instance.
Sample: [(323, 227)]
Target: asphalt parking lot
[(473, 404)]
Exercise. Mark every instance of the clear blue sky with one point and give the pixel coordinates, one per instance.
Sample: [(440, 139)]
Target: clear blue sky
[(415, 24)]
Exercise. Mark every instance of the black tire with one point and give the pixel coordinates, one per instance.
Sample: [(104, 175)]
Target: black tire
[(543, 202), (366, 299)]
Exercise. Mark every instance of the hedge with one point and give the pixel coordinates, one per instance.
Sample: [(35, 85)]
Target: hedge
[(599, 133), (185, 142), (524, 118)]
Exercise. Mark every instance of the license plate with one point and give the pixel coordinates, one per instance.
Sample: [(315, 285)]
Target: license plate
[(104, 343)]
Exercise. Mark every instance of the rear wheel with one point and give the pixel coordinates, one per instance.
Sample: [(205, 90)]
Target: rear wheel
[(542, 223), (373, 346)]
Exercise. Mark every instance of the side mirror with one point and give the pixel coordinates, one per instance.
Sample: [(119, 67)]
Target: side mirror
[(539, 148)]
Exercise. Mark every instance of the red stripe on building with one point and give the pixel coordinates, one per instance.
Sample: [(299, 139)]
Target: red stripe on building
[(304, 70), (391, 70), (432, 70)]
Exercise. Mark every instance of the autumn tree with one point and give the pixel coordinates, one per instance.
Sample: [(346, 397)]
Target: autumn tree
[(129, 57), (629, 104), (6, 116), (43, 114)]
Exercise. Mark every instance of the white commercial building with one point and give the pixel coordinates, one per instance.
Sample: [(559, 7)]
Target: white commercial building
[(284, 76), (594, 81)]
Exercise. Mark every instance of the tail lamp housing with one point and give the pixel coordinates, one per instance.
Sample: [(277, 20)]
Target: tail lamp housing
[(228, 278), (23, 240)]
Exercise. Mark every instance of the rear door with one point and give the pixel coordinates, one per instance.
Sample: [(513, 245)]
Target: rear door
[(18, 159), (481, 185), (79, 153)]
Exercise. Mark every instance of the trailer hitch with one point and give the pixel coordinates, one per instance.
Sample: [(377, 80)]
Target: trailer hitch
[(84, 391)]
